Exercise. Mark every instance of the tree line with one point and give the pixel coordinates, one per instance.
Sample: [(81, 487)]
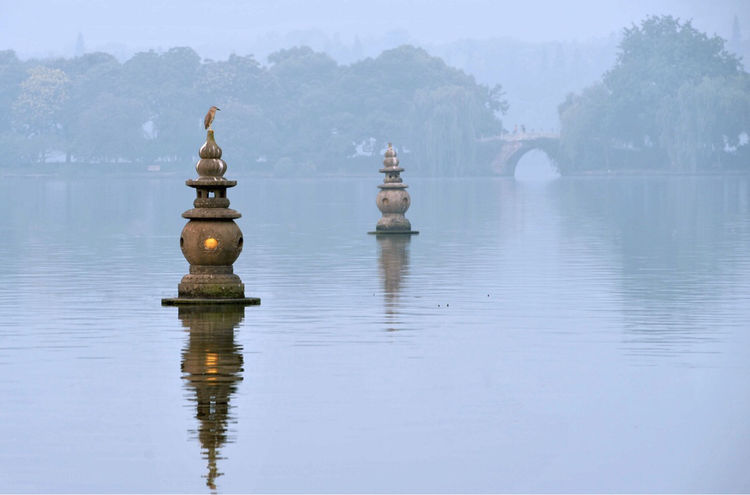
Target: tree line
[(675, 99), (300, 113)]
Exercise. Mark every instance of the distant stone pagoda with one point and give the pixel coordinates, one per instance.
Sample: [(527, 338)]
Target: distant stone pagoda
[(211, 241), (393, 200)]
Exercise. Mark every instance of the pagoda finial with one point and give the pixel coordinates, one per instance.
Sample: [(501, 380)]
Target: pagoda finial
[(210, 165), (391, 160)]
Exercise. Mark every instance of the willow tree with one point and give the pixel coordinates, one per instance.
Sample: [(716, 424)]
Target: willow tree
[(37, 111), (675, 97)]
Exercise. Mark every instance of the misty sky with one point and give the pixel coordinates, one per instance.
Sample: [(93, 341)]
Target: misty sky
[(217, 28)]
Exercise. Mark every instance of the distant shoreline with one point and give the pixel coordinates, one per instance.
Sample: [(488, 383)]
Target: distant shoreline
[(184, 171), (657, 173)]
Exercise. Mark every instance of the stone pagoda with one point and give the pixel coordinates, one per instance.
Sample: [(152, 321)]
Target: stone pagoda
[(393, 200), (211, 241)]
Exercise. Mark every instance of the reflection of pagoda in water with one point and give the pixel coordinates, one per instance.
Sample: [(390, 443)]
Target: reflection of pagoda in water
[(212, 366), (394, 265)]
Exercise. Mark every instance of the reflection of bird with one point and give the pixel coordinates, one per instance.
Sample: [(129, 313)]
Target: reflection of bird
[(209, 118)]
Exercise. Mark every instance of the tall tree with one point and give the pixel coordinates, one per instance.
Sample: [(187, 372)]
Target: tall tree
[(37, 111), (674, 97), (653, 61)]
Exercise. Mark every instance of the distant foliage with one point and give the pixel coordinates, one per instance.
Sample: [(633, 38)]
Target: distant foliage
[(675, 98), (302, 113)]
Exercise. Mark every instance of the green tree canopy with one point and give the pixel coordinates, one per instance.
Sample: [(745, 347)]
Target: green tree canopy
[(302, 111), (37, 110), (643, 101)]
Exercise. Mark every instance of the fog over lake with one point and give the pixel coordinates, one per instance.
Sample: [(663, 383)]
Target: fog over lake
[(573, 315)]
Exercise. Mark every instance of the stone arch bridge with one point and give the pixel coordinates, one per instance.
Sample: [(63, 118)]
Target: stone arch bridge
[(506, 150)]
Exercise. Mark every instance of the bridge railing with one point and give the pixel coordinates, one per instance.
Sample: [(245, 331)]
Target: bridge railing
[(521, 136)]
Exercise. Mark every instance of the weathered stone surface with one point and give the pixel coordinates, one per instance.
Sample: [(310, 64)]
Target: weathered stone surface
[(212, 213), (393, 223), (393, 200), (210, 164), (199, 301), (210, 285), (226, 233), (211, 241)]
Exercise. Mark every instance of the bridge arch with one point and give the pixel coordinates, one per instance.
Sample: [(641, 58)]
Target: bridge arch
[(515, 147), (536, 165)]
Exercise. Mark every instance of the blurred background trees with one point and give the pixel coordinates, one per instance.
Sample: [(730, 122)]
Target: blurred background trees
[(675, 98), (301, 113)]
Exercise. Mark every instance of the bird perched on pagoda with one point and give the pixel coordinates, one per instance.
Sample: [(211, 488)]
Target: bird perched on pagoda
[(209, 118)]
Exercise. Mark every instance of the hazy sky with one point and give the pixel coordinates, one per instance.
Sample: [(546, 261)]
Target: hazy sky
[(50, 27)]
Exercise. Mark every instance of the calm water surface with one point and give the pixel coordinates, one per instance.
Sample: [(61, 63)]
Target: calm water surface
[(574, 335)]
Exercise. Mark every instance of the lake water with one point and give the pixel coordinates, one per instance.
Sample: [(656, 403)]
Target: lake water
[(581, 334)]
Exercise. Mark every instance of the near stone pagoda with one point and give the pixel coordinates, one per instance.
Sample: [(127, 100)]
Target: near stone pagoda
[(393, 200), (211, 241)]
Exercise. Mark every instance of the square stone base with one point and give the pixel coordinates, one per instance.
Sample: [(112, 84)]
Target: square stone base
[(394, 232), (194, 301)]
